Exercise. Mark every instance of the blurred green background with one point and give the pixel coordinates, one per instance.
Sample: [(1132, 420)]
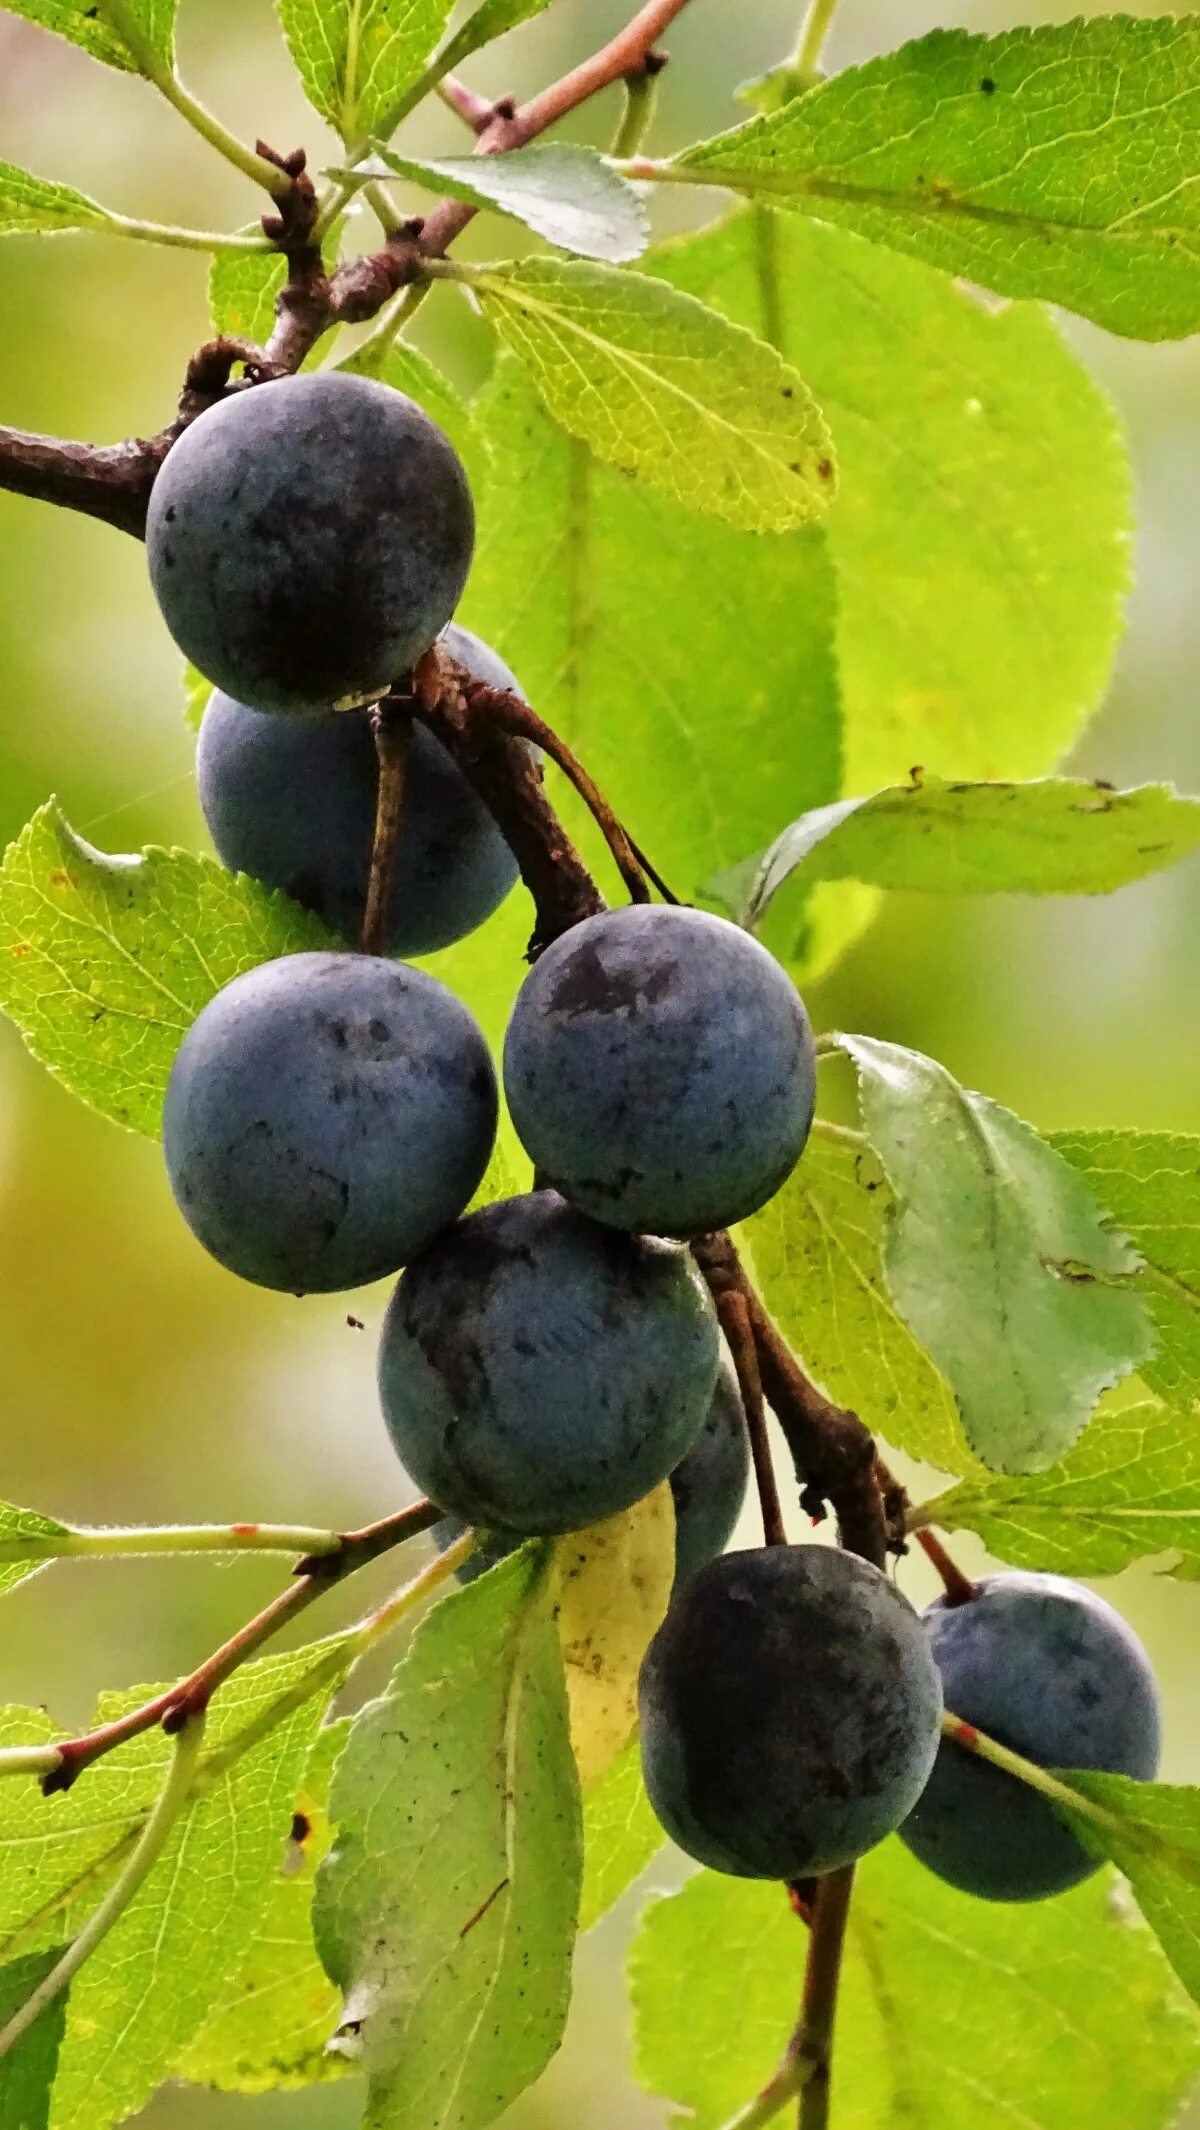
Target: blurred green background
[(138, 1381)]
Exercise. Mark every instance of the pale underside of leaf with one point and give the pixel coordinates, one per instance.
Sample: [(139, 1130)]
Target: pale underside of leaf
[(1055, 836), (1006, 1269)]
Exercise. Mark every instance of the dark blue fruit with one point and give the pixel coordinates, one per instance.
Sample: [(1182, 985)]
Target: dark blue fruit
[(789, 1712), (291, 801), (660, 1070), (1052, 1672), (540, 1373), (326, 1115), (709, 1485), (308, 539)]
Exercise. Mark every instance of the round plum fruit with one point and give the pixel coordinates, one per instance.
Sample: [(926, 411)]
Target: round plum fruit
[(326, 1115), (789, 1712), (291, 801), (660, 1070), (1046, 1668), (538, 1372), (709, 1484), (307, 540)]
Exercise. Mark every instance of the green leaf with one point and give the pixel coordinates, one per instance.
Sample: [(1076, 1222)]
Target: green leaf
[(105, 962), (569, 195), (666, 389), (1130, 1487), (407, 370), (818, 1259), (148, 1986), (1060, 161), (491, 20), (269, 2028), (981, 574), (31, 203), (17, 1525), (242, 291), (356, 58), (953, 2013), (996, 1254), (625, 618), (1057, 836), (446, 1910), (27, 2072), (1152, 1834), (85, 25), (196, 693), (620, 1835), (1150, 1183)]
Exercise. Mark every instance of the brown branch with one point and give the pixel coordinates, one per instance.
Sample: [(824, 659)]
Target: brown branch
[(113, 482), (509, 781), (188, 1697), (392, 727), (107, 481), (734, 1317)]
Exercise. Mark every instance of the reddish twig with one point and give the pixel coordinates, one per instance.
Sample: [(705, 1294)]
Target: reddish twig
[(812, 2043), (959, 1588), (718, 1262), (190, 1696)]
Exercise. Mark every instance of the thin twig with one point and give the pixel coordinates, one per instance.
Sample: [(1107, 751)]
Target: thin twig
[(173, 1707), (149, 1848), (960, 1590), (476, 111), (113, 482), (514, 716), (392, 729), (509, 781), (812, 2043), (739, 1337)]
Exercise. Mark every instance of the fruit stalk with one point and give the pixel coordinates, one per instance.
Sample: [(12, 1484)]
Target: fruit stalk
[(391, 728)]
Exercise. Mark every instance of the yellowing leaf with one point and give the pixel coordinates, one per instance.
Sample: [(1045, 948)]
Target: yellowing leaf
[(614, 1582), (666, 389)]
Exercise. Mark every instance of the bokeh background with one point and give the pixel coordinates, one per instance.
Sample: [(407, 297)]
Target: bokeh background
[(138, 1381)]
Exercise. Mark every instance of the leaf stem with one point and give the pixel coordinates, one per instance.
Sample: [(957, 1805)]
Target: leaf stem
[(29, 1759), (134, 1541), (1027, 1771), (316, 1574), (810, 43), (372, 351), (167, 82), (467, 104), (149, 1848), (213, 240), (641, 96)]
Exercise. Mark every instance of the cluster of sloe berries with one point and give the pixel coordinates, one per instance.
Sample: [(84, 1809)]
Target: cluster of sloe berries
[(548, 1360)]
